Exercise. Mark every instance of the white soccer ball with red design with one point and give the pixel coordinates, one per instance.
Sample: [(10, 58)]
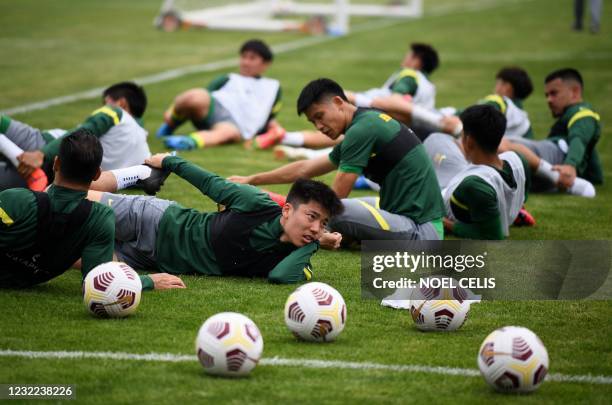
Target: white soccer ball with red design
[(513, 359), (315, 312), (439, 309), (112, 289), (229, 344)]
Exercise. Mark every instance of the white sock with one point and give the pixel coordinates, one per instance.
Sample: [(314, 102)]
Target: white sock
[(128, 176), (582, 188), (545, 170), (10, 150), (293, 139), (426, 116), (362, 100)]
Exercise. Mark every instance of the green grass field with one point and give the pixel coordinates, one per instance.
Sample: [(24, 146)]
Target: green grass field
[(50, 49)]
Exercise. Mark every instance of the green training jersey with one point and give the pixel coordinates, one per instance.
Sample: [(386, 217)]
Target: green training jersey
[(19, 221), (184, 240), (410, 188), (517, 120), (475, 205), (404, 81), (577, 132)]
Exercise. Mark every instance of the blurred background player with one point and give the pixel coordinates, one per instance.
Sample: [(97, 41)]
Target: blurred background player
[(407, 95), (252, 236), (117, 124), (567, 159), (234, 107), (43, 234), (386, 151)]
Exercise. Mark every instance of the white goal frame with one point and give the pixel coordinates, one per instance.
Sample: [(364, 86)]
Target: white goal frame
[(263, 15)]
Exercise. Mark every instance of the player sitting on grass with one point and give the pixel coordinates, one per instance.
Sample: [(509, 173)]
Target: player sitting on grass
[(117, 124), (410, 205), (569, 151), (233, 107), (253, 236), (512, 87), (483, 192), (43, 234)]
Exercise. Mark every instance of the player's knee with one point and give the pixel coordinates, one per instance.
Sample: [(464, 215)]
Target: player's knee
[(192, 101)]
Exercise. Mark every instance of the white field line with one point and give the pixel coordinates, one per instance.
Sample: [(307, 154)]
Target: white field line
[(278, 49), (277, 361)]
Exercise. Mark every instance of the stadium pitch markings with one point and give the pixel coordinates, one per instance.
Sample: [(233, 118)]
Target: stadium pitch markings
[(278, 361), (278, 49)]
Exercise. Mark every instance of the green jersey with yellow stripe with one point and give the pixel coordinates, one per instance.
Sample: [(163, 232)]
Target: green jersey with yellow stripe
[(414, 83), (576, 133), (410, 188), (123, 138), (517, 120)]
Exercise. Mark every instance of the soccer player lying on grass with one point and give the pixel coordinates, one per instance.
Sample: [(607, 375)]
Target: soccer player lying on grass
[(117, 124), (483, 192), (43, 234), (410, 205), (233, 107), (253, 236), (569, 151)]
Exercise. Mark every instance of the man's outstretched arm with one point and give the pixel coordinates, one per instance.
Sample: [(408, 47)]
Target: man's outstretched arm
[(289, 173), (210, 184)]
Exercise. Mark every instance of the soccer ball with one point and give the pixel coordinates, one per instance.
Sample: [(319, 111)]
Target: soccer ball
[(112, 290), (229, 344), (439, 309), (513, 359), (315, 312)]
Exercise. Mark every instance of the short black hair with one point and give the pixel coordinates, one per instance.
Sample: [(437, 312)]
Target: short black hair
[(485, 124), (304, 191), (427, 54), (80, 156), (317, 91), (259, 47), (565, 74), (518, 79), (133, 94)]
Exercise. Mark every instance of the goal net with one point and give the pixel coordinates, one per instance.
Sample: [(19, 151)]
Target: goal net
[(314, 16)]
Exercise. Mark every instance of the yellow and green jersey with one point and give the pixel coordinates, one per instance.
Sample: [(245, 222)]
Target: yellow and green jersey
[(414, 83), (474, 203), (517, 120), (576, 133), (123, 138), (410, 187)]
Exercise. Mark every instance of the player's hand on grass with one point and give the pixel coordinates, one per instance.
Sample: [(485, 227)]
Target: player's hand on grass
[(330, 240), (240, 179), (567, 175), (30, 161), (157, 159), (180, 142), (165, 281)]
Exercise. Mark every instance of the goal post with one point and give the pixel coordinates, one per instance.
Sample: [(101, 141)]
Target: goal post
[(332, 17)]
